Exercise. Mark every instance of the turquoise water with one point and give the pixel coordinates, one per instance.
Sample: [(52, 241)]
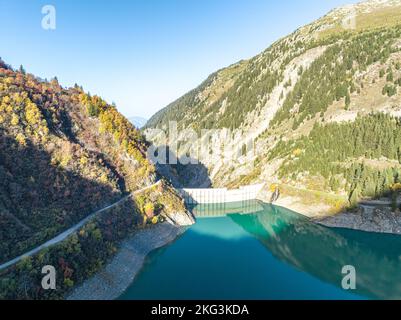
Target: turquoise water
[(272, 253)]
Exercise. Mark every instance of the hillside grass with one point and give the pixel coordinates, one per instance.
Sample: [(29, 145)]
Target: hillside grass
[(385, 17)]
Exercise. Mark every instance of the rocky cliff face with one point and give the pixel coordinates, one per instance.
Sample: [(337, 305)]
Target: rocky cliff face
[(337, 70)]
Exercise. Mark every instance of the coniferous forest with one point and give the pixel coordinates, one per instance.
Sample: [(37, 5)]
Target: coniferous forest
[(340, 153)]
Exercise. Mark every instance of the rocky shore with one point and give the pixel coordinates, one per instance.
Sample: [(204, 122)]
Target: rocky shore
[(371, 216), (369, 219), (366, 218), (115, 278)]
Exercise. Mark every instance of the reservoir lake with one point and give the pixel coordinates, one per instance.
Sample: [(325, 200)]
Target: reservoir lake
[(253, 250)]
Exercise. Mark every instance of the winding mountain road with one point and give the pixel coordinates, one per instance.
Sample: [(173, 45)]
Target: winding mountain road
[(61, 237)]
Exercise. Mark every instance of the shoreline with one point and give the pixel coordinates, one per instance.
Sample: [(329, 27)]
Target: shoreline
[(376, 219), (112, 281), (366, 219)]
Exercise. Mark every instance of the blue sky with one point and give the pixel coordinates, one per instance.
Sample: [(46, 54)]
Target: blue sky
[(143, 54)]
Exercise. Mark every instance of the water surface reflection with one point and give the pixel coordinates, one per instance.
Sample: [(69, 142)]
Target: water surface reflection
[(252, 250)]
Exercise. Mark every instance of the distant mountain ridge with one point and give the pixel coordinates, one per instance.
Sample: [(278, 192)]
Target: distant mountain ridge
[(138, 122)]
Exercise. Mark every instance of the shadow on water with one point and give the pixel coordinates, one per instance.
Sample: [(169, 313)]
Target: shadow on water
[(323, 252)]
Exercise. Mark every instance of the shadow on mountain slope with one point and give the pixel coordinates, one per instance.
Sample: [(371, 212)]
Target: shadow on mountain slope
[(191, 175), (40, 199)]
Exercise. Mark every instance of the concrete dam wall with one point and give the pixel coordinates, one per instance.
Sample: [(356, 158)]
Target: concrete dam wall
[(224, 209), (222, 195)]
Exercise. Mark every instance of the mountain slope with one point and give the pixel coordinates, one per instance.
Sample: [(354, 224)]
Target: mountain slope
[(323, 73), (64, 154)]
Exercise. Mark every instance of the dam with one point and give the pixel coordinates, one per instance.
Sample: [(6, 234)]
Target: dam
[(216, 210), (220, 195)]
